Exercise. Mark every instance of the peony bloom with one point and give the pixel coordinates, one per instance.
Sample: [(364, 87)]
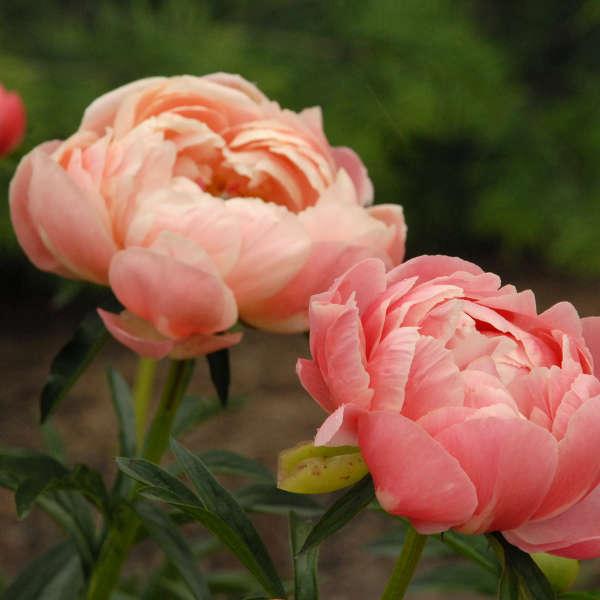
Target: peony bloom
[(12, 121), (197, 199), (471, 411)]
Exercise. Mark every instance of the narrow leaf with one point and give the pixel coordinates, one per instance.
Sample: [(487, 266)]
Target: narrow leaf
[(71, 362), (266, 498), (306, 585), (154, 476), (342, 511), (473, 547), (226, 534), (193, 410), (218, 500), (123, 404), (227, 462), (587, 595), (218, 365), (53, 442), (174, 545), (56, 575)]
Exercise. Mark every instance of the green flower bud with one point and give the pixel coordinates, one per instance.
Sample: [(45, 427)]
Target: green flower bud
[(309, 469)]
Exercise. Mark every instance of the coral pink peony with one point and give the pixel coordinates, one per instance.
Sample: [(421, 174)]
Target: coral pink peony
[(12, 121), (471, 411), (197, 199)]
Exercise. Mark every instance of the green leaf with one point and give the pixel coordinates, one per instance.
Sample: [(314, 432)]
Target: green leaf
[(154, 476), (266, 498), (457, 576), (232, 463), (473, 547), (342, 511), (88, 482), (164, 487), (23, 464), (218, 365), (123, 404), (587, 595), (34, 472), (220, 529), (218, 500), (306, 585), (230, 582), (56, 575), (196, 409), (70, 511), (174, 545), (521, 578), (53, 442), (71, 362)]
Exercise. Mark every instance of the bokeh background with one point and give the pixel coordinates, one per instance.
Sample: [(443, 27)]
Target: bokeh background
[(480, 117)]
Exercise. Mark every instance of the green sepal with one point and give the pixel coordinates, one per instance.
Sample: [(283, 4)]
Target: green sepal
[(521, 578), (220, 375)]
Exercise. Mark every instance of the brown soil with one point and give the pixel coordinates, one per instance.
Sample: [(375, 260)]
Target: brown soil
[(279, 415)]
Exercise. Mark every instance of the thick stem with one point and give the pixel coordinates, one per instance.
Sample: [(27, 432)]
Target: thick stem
[(142, 393), (122, 532), (405, 565)]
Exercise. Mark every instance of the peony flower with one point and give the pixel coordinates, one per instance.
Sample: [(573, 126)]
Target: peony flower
[(471, 411), (197, 199), (12, 121)]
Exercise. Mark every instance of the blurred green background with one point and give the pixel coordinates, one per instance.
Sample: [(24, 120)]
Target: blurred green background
[(481, 117)]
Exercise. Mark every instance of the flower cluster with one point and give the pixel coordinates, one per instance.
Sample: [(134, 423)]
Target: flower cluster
[(198, 200), (471, 411)]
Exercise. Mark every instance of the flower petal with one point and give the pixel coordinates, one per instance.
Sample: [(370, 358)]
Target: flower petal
[(414, 475)]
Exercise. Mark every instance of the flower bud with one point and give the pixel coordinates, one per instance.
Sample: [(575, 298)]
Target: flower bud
[(309, 469)]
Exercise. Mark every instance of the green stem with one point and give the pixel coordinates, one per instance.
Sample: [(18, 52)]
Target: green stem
[(142, 393), (405, 565), (123, 529)]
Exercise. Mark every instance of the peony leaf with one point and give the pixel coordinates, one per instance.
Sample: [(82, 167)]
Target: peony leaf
[(71, 362), (196, 409), (265, 498), (306, 586), (56, 575), (342, 511), (164, 487), (218, 500), (175, 546), (227, 462), (123, 404)]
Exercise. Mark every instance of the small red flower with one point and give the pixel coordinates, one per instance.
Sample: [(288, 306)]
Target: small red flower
[(12, 121)]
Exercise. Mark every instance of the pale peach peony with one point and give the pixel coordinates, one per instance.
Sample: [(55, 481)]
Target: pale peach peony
[(471, 411), (197, 199), (12, 121)]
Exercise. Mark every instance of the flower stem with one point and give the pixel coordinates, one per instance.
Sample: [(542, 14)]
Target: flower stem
[(142, 392), (405, 565), (124, 524)]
